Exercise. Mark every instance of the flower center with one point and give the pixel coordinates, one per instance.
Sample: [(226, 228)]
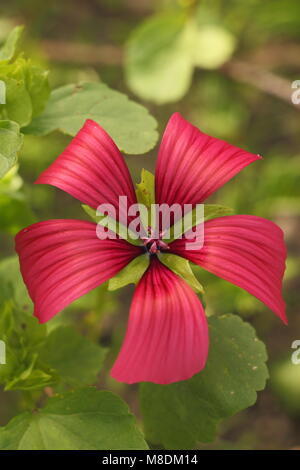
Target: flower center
[(153, 244)]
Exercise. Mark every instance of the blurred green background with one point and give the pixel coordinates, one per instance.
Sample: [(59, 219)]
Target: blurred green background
[(247, 55)]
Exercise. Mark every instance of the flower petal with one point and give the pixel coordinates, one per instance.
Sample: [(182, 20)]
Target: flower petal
[(246, 250), (192, 165), (91, 169), (167, 334), (61, 260)]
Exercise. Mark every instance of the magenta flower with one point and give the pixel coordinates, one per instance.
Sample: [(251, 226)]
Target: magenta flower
[(167, 334)]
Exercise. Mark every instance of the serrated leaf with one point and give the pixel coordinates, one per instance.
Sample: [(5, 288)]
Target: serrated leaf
[(158, 60), (128, 123), (86, 419), (76, 359), (181, 266), (131, 274), (10, 144), (182, 414), (8, 49)]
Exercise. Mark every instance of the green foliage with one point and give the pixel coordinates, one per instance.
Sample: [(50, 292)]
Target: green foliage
[(14, 207), (82, 420), (23, 336), (128, 123), (182, 414), (27, 90), (36, 359), (74, 358), (11, 142)]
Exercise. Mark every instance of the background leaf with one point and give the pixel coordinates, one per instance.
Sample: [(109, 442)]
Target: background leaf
[(159, 63), (76, 359), (128, 123)]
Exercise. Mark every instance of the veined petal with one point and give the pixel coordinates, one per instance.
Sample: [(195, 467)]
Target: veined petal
[(192, 165), (61, 260), (167, 334), (91, 169), (245, 250)]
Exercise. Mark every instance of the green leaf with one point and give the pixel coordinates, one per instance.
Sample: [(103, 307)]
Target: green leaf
[(131, 274), (10, 144), (159, 63), (128, 123), (182, 414), (73, 357), (181, 266), (8, 49), (86, 419)]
